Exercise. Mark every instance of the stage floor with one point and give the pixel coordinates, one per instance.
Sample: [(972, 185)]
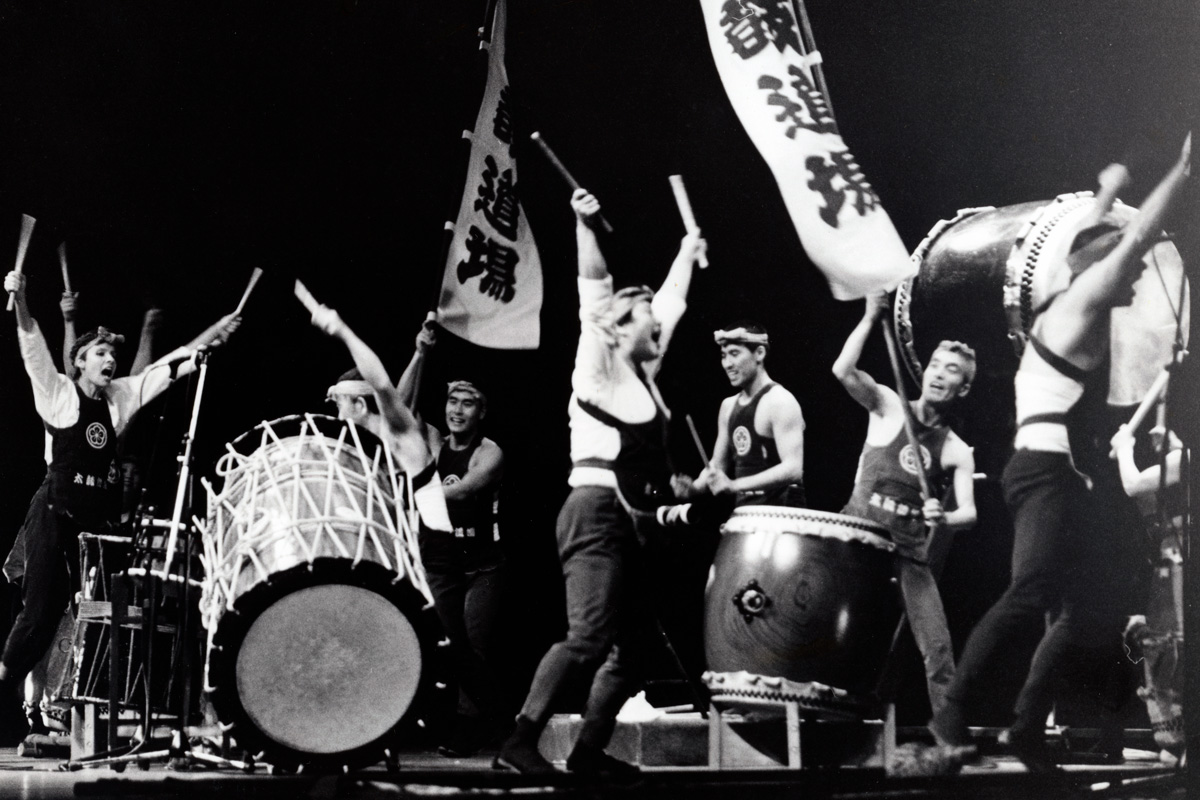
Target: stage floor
[(426, 774)]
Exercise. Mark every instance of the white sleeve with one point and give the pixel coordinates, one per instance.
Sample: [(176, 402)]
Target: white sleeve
[(54, 394), (594, 355), (668, 309)]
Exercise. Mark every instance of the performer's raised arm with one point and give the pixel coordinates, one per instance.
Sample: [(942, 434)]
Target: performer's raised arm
[(861, 386), (151, 321), (68, 305), (413, 450)]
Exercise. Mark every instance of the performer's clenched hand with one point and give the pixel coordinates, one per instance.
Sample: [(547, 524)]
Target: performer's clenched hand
[(585, 205), (693, 246), (14, 283), (719, 483), (933, 512), (427, 336), (68, 305), (228, 325), (1121, 440), (328, 321)]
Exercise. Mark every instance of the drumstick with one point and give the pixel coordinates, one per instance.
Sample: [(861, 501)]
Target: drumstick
[(305, 297), (565, 173), (62, 260), (685, 211), (27, 223), (237, 312), (1143, 410), (696, 439)]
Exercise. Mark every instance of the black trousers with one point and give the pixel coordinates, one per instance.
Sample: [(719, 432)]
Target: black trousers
[(1057, 566), (51, 578), (609, 626)]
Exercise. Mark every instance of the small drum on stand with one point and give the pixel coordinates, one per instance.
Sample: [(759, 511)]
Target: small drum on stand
[(800, 606), (984, 274), (319, 617)]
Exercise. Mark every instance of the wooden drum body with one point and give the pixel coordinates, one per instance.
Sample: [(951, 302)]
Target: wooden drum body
[(804, 596), (317, 610)]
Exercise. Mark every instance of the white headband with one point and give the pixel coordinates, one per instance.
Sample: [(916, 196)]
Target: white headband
[(740, 336), (350, 389)]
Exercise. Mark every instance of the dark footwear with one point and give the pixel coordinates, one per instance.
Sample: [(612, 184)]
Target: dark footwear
[(594, 762), (523, 757)]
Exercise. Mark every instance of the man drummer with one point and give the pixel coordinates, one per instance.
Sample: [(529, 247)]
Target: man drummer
[(82, 490), (366, 397), (620, 469), (887, 489), (760, 430), (1055, 555), (465, 571)]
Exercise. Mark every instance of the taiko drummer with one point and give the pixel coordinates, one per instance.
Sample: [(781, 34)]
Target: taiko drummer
[(82, 490), (887, 489), (759, 453)]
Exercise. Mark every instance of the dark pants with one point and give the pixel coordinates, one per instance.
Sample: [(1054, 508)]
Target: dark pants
[(608, 624), (922, 600), (468, 604), (51, 551), (1055, 565)]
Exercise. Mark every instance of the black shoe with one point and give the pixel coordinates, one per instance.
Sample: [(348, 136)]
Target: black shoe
[(522, 756), (594, 762)]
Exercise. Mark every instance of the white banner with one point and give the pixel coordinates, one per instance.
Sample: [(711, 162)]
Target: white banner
[(492, 288), (845, 231)]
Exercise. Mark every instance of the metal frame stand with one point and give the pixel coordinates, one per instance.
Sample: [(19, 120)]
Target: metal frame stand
[(179, 753)]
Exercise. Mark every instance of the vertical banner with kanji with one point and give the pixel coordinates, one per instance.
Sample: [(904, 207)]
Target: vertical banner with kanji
[(845, 231), (492, 288)]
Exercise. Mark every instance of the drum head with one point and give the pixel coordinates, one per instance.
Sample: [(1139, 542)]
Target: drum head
[(324, 666), (328, 668)]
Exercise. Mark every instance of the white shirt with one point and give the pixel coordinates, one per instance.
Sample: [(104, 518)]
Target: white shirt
[(54, 394), (608, 382)]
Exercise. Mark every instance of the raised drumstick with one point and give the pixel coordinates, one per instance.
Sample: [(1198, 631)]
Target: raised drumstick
[(566, 173), (237, 312), (62, 260), (685, 211), (305, 297), (27, 223)]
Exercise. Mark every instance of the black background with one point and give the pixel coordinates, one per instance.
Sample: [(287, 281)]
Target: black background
[(175, 147)]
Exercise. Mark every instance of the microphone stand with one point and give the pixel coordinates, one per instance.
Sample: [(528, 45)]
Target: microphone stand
[(179, 753)]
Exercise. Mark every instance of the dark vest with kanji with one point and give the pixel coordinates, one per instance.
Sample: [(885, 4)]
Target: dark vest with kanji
[(85, 483), (474, 519), (642, 467), (753, 453), (888, 490)]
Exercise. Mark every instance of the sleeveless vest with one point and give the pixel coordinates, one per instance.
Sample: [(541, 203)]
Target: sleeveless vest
[(85, 483), (475, 526), (754, 453)]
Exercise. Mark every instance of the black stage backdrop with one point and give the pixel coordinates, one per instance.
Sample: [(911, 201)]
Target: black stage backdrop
[(175, 147)]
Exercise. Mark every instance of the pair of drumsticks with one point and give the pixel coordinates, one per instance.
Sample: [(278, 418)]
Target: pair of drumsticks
[(27, 223)]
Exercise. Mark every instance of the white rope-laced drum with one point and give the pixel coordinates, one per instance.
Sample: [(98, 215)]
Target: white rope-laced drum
[(315, 601)]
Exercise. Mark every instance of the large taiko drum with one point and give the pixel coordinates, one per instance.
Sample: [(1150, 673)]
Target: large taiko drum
[(803, 596), (318, 613)]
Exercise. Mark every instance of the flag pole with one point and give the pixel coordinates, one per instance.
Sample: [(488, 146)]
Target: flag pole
[(810, 46)]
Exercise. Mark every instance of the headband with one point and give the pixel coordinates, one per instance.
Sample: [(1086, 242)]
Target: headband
[(101, 335), (466, 387), (625, 299), (349, 389), (741, 336)]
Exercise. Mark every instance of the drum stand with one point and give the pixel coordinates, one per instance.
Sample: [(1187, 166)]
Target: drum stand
[(179, 753)]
